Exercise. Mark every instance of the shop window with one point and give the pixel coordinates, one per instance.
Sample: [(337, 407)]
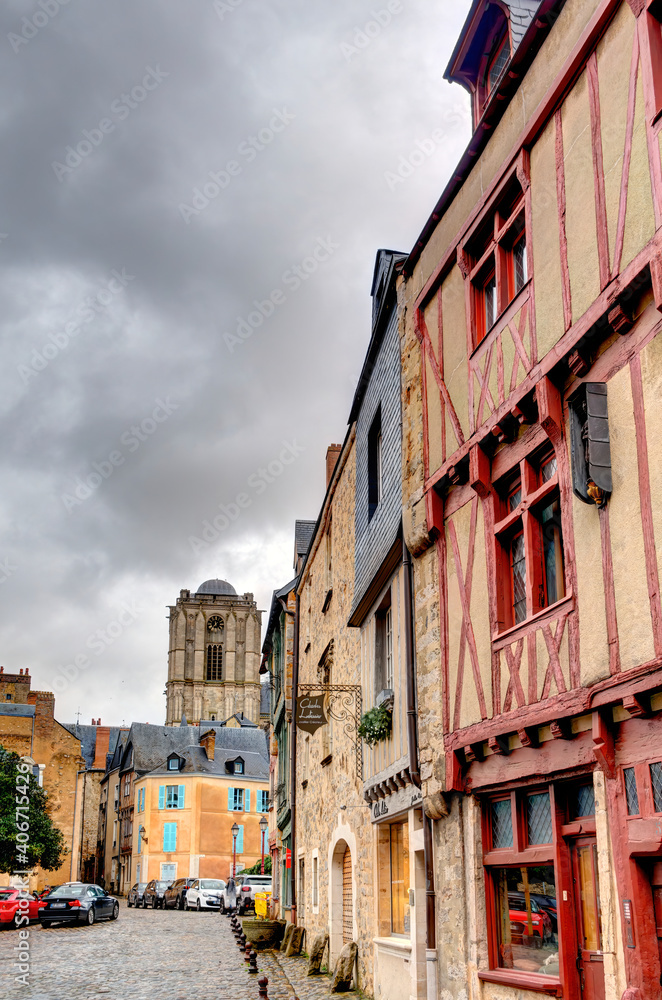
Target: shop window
[(521, 896), (656, 782), (393, 867), (529, 535), (497, 259)]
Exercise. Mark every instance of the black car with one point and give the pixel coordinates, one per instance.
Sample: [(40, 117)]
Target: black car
[(154, 893), (175, 895), (79, 903), (135, 897)]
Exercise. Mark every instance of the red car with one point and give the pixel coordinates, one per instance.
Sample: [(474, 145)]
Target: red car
[(11, 912), (536, 929)]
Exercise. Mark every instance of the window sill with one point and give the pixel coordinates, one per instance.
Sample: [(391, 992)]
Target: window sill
[(510, 635), (550, 985), (396, 945)]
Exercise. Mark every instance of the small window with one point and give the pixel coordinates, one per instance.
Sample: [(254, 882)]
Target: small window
[(375, 464), (173, 764), (8, 697), (582, 802), (502, 824), (239, 767), (315, 886), (238, 799), (497, 64), (656, 782), (384, 679), (539, 818), (631, 796)]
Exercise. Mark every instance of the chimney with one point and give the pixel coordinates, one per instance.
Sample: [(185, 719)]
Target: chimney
[(332, 456), (102, 747), (208, 741)]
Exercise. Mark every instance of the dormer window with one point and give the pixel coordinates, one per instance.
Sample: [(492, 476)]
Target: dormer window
[(174, 763), (235, 766), (497, 64)]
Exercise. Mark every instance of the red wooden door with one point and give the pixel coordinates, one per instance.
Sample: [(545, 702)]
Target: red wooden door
[(590, 960)]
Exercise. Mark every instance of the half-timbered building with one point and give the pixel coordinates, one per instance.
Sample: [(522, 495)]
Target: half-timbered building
[(532, 505)]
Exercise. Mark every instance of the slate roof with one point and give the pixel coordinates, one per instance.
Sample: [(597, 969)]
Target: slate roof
[(255, 764), (21, 710), (265, 699), (303, 533), (152, 745), (88, 739)]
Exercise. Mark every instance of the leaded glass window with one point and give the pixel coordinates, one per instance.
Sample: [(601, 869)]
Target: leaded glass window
[(631, 796), (502, 824), (656, 781), (539, 818)]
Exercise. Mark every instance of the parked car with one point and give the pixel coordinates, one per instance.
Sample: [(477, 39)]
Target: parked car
[(205, 894), (136, 892), (247, 886), (175, 894), (534, 931), (154, 893), (78, 902), (11, 911)]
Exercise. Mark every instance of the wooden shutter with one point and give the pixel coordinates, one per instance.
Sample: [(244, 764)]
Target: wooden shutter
[(230, 799), (161, 796), (347, 907), (247, 803), (240, 839), (180, 796)]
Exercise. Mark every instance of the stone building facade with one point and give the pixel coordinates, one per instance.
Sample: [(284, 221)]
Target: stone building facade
[(214, 655), (333, 843), (532, 505)]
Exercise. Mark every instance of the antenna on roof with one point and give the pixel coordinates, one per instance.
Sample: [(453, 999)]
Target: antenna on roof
[(78, 715)]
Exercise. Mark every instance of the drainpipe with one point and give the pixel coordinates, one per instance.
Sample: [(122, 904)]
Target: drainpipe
[(412, 746), (293, 761)]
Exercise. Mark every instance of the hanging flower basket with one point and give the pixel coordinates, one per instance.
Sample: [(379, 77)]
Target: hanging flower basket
[(376, 725)]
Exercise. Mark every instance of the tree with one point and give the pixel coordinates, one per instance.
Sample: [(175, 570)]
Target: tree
[(28, 836), (255, 869)]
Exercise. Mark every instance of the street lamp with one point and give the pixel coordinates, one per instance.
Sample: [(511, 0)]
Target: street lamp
[(235, 834), (264, 826)]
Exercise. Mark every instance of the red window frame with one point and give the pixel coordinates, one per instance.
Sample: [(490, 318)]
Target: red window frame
[(525, 519), (495, 42), (492, 256)]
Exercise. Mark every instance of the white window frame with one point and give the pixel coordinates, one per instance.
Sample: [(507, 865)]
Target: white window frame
[(315, 882)]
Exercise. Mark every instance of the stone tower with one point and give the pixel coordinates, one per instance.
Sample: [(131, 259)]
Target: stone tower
[(214, 655)]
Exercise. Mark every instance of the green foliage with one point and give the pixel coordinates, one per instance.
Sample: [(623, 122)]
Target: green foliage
[(23, 813), (376, 725), (255, 869)]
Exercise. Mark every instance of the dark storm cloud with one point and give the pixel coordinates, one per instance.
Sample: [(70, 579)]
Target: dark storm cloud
[(170, 169)]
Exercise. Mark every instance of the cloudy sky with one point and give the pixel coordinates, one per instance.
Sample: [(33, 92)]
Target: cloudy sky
[(192, 194)]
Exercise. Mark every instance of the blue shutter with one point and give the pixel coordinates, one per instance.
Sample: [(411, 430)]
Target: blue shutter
[(180, 797), (169, 837), (247, 805), (230, 799), (240, 839), (161, 796)]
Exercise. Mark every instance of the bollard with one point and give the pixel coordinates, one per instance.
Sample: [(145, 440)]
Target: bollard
[(262, 991), (252, 962), (247, 951), (241, 941)]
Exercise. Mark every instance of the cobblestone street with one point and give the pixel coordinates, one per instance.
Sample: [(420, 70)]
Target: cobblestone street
[(148, 954)]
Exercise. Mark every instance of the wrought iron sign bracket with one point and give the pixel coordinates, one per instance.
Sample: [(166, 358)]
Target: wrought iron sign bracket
[(344, 705)]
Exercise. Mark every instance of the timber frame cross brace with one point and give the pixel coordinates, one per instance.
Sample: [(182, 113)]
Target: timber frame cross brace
[(344, 705)]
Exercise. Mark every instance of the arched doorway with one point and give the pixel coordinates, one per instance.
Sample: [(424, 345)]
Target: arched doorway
[(347, 898)]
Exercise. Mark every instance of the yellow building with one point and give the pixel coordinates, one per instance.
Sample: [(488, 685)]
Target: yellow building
[(184, 808)]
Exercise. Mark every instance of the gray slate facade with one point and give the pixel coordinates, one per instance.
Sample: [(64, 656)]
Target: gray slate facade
[(379, 388)]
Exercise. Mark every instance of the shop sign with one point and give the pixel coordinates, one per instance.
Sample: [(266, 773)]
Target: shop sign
[(398, 802), (310, 715)]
